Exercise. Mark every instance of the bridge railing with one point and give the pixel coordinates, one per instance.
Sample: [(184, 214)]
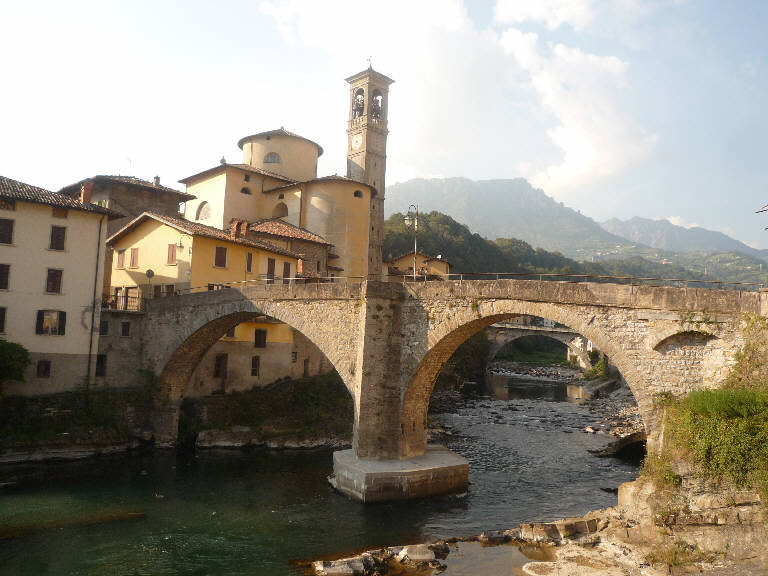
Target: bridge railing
[(584, 278), (265, 280)]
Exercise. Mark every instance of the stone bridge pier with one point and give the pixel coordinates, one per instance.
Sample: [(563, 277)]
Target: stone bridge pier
[(389, 341)]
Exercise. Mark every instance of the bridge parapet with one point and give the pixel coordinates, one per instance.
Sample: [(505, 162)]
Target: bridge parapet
[(665, 298)]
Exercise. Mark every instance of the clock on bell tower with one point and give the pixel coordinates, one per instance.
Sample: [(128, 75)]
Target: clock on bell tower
[(367, 149)]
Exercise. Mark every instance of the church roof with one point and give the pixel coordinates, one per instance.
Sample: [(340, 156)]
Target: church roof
[(281, 228), (370, 72), (279, 132), (244, 167), (334, 178), (197, 229), (130, 181), (14, 190)]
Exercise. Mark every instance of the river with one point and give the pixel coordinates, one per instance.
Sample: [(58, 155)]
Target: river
[(260, 513)]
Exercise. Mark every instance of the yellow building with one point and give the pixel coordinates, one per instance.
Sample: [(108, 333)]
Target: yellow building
[(278, 179), (51, 272), (433, 268), (187, 256)]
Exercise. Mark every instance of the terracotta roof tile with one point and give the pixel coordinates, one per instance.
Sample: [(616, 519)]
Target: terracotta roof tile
[(197, 229), (15, 190), (244, 167), (280, 228), (130, 181)]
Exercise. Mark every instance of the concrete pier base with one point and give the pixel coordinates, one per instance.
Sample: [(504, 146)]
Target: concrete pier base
[(439, 471)]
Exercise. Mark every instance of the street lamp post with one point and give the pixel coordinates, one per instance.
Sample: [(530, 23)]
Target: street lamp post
[(413, 209)]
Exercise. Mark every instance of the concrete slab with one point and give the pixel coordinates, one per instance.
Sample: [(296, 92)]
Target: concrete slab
[(438, 471)]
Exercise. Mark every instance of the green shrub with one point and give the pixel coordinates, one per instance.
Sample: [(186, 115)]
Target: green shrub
[(14, 359), (657, 468)]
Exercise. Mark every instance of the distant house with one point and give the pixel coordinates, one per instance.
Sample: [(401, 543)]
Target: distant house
[(433, 268), (51, 269)]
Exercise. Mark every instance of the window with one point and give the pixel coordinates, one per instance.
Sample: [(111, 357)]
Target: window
[(171, 254), (318, 265), (203, 211), (134, 257), (157, 291), (245, 190), (358, 194), (58, 234), (2, 320), (6, 231), (255, 365), (120, 258), (294, 357), (247, 178), (249, 262), (5, 273), (53, 281), (60, 212), (52, 322), (270, 270), (230, 333), (272, 158), (280, 196), (169, 289), (220, 366), (43, 368), (280, 210), (101, 365), (125, 329), (104, 328), (286, 272), (358, 105), (306, 367), (259, 338), (220, 258)]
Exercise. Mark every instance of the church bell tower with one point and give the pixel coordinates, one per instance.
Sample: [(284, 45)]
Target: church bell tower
[(367, 150)]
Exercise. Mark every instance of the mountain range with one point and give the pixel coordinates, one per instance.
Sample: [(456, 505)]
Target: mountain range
[(515, 209)]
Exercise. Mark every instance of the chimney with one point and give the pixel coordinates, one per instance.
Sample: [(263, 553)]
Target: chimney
[(85, 191), (299, 267), (243, 228), (157, 180), (234, 228)]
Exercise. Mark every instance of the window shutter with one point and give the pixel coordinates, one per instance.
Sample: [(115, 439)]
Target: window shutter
[(121, 258), (134, 257), (220, 257), (39, 323), (62, 322), (171, 253)]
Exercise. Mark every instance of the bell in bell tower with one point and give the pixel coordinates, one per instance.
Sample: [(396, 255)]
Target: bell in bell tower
[(367, 149)]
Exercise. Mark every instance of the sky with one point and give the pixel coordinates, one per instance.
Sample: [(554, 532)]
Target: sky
[(621, 108)]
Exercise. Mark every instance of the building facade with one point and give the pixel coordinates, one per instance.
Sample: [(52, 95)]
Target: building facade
[(51, 273)]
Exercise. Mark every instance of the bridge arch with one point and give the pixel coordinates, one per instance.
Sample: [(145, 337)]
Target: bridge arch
[(505, 336), (457, 324)]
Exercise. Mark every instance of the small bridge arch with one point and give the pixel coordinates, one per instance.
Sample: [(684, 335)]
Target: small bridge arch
[(504, 333)]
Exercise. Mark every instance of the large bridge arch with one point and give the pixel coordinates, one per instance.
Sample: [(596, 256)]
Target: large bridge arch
[(449, 329), (182, 330)]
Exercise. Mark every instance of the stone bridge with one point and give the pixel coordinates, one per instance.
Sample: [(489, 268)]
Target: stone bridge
[(388, 342), (502, 333)]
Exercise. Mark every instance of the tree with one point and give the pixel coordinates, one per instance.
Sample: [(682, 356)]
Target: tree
[(14, 359)]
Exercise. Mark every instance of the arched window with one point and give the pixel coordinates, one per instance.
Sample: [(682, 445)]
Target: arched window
[(377, 110), (358, 194), (358, 106), (245, 190), (280, 210), (203, 211), (272, 158)]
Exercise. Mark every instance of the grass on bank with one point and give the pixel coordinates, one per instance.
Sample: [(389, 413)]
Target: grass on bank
[(724, 432)]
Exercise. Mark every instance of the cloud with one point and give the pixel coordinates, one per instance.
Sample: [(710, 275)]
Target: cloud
[(678, 221), (580, 91), (553, 13)]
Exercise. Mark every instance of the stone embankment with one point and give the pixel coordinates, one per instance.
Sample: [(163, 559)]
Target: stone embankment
[(717, 535), (241, 437)]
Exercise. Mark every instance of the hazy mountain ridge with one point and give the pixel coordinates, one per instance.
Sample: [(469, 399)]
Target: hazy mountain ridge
[(664, 235), (507, 209)]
